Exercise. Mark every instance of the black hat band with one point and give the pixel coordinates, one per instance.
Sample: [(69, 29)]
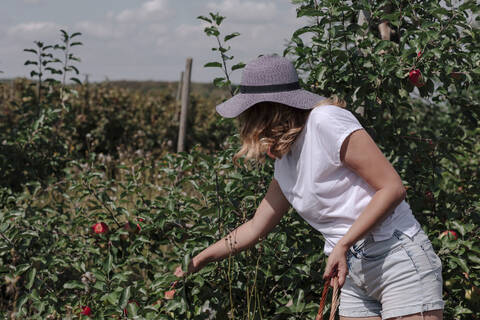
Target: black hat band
[(270, 88)]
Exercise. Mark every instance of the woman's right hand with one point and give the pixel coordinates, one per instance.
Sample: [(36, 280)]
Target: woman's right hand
[(192, 268), (179, 272)]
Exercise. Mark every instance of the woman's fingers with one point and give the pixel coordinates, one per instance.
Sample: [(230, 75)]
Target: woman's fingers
[(329, 269), (342, 274), (179, 272)]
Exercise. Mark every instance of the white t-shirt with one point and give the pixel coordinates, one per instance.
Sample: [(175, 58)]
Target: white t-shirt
[(326, 193)]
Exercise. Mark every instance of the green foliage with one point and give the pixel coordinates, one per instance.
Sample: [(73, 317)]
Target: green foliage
[(212, 30), (429, 133), (34, 142), (60, 265)]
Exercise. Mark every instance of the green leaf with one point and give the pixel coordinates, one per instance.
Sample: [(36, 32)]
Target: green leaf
[(204, 19), (231, 36), (457, 226), (213, 65), (300, 296), (22, 301), (76, 80), (186, 262), (30, 278), (64, 34), (125, 297), (112, 298), (70, 68), (31, 50), (217, 18), (28, 62), (74, 285), (219, 82), (309, 12), (132, 310), (460, 262), (20, 269), (239, 65), (212, 31), (108, 264), (474, 258)]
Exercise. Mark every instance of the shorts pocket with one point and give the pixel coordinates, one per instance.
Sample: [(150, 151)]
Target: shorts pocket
[(432, 257), (424, 243)]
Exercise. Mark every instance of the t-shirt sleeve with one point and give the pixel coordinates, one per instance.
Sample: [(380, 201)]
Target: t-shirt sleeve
[(333, 125)]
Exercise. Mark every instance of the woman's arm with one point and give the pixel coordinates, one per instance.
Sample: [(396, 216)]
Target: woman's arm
[(268, 214), (360, 153)]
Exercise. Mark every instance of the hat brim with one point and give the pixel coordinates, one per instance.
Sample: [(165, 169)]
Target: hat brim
[(300, 99)]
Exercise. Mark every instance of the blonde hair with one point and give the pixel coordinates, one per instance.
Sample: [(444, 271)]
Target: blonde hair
[(270, 126)]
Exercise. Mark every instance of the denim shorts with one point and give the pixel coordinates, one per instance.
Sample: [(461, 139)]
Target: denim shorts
[(392, 278)]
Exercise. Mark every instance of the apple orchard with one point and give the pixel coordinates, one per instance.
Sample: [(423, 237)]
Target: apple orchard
[(97, 209)]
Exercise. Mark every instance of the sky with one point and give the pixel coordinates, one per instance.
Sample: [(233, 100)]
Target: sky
[(143, 39)]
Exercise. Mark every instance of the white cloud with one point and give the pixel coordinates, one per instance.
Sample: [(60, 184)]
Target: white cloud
[(188, 30), (32, 28), (138, 23), (150, 10), (145, 38), (245, 11), (103, 30)]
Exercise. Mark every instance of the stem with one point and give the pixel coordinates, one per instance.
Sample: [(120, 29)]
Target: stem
[(330, 42), (225, 70), (435, 38), (39, 84), (8, 240), (232, 310), (254, 287), (67, 43), (92, 191), (346, 47), (217, 200)]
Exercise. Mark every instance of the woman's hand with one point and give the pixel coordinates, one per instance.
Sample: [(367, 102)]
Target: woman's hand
[(193, 266), (179, 272), (337, 265)]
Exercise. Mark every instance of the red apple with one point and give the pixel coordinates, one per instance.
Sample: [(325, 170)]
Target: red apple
[(456, 75), (429, 196), (415, 77), (100, 228), (86, 311), (169, 294), (450, 234)]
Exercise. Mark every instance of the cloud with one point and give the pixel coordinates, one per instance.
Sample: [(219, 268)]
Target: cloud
[(149, 39), (143, 22), (245, 11), (32, 27), (99, 30), (150, 10), (24, 33)]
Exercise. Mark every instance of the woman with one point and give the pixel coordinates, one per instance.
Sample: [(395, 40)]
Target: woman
[(331, 171)]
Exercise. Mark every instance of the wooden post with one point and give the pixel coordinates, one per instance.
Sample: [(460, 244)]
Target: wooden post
[(185, 100), (179, 88)]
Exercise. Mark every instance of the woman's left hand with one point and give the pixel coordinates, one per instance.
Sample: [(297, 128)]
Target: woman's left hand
[(337, 265)]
